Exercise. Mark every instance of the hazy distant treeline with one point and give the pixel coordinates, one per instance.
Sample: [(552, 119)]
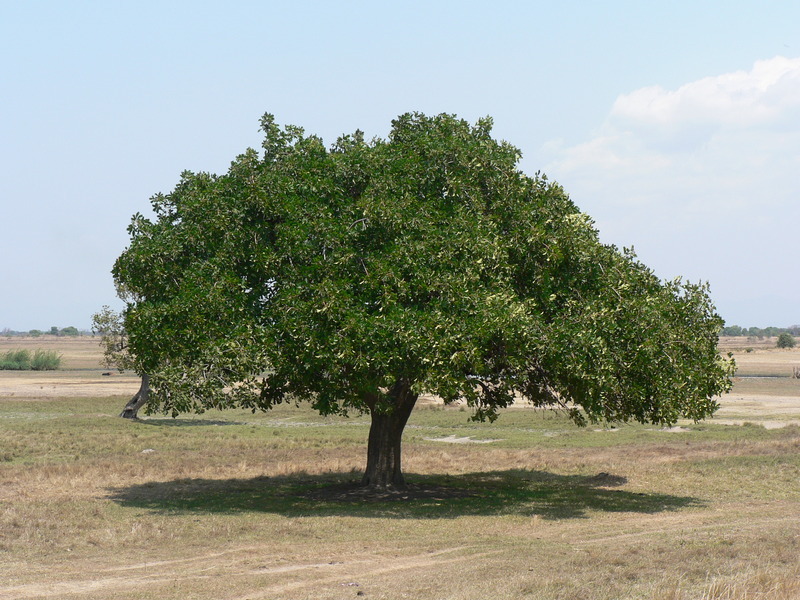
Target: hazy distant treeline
[(736, 330), (63, 332), (728, 330)]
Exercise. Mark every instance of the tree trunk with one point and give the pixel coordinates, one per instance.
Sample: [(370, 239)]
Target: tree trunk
[(385, 435), (131, 409)]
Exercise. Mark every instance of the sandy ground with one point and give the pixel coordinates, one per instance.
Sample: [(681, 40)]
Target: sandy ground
[(772, 412), (66, 384)]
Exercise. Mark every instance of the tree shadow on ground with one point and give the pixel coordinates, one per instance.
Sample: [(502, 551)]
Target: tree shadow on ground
[(174, 422), (512, 492)]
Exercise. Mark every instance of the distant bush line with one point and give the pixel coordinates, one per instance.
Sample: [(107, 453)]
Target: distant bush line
[(23, 360), (728, 330), (63, 332), (736, 331)]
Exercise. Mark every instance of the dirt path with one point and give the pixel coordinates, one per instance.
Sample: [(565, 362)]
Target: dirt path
[(254, 572), (236, 564)]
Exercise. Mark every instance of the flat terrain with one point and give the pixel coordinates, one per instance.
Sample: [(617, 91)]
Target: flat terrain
[(234, 505)]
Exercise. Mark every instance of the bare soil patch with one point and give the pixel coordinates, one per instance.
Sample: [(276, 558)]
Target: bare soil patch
[(454, 439), (66, 384)]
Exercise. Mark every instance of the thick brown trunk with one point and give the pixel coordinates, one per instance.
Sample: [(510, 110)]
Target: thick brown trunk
[(131, 409), (385, 436)]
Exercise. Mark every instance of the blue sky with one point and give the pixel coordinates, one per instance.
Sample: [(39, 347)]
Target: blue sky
[(675, 126)]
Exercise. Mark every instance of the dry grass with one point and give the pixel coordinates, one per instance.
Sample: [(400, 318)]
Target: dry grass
[(764, 391), (82, 373), (761, 357), (234, 505), (80, 352)]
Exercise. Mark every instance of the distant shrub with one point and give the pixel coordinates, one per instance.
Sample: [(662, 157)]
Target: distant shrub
[(45, 360), (16, 360), (786, 340), (23, 360), (732, 330)]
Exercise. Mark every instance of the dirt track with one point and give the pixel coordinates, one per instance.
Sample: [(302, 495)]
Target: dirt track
[(244, 563), (257, 568)]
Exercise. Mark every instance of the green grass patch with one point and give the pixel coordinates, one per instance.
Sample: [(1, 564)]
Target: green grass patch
[(16, 360), (45, 360), (24, 360), (41, 431)]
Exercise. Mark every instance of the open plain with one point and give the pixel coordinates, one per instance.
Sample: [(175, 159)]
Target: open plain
[(235, 505)]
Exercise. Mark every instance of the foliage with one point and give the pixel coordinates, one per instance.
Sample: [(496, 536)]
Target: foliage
[(732, 330), (785, 340), (114, 340), (361, 276), (737, 331), (55, 331), (45, 360), (16, 360), (23, 360)]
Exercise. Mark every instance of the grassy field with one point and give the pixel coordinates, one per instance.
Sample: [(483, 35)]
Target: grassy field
[(234, 505)]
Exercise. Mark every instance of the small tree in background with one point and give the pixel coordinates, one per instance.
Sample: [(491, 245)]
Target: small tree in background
[(785, 340), (116, 354)]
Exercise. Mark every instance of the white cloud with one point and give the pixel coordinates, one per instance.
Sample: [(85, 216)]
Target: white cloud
[(688, 174), (740, 99), (722, 139)]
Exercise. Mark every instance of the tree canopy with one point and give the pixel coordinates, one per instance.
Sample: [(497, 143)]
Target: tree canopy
[(359, 276)]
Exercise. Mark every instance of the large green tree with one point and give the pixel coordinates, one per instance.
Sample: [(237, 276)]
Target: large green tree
[(360, 276)]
